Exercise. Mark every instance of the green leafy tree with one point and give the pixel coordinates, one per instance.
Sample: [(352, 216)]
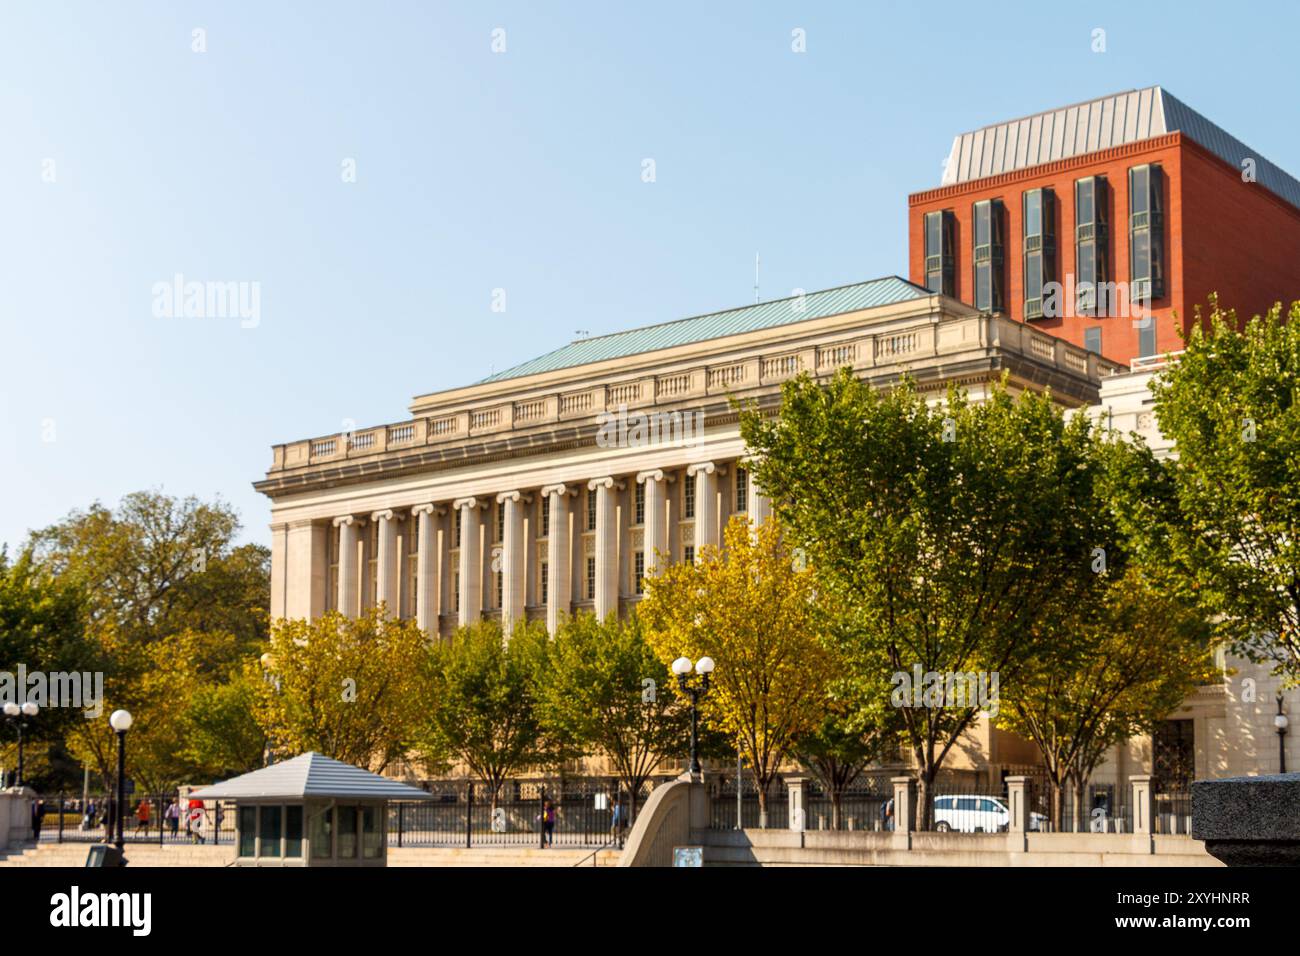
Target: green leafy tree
[(1231, 405), (482, 704), (955, 535), (349, 688), (753, 609), (603, 693)]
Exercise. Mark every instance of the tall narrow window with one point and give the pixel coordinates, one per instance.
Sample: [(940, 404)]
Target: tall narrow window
[(1146, 337), (545, 574), (1146, 233), (455, 591), (940, 229), (1092, 339), (1040, 248), (501, 522), (546, 516), (1091, 244), (460, 515), (638, 572), (688, 497), (332, 595), (591, 509), (742, 489), (688, 554), (639, 496), (372, 549), (500, 576), (413, 568), (990, 281), (591, 579)]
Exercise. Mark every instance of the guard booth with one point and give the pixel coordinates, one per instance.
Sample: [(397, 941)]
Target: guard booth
[(311, 811)]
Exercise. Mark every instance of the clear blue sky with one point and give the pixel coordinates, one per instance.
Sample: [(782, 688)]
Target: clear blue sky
[(478, 171)]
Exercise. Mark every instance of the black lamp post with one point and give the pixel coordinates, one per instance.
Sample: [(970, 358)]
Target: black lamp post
[(18, 714), (120, 721), (682, 668), (1280, 722)]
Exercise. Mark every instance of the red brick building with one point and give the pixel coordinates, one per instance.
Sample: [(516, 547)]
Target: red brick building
[(1087, 219)]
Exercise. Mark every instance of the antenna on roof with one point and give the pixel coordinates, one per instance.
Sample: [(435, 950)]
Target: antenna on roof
[(756, 298)]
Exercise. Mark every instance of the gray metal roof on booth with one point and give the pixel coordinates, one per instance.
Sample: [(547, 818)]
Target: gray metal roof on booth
[(311, 775)]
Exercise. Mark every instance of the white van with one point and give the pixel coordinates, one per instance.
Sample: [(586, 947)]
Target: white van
[(976, 813)]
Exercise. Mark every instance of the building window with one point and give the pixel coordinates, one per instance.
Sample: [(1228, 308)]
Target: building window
[(455, 591), (413, 568), (372, 549), (638, 572), (688, 554), (1146, 337), (940, 228), (1091, 238), (591, 579), (1040, 247), (591, 509), (460, 520), (546, 516), (1146, 233), (332, 594), (742, 489), (293, 832), (544, 572), (501, 522), (1092, 339), (688, 497), (499, 576), (639, 503), (990, 280)]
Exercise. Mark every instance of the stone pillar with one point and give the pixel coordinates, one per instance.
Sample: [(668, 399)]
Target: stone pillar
[(606, 545), (705, 475), (904, 811), (797, 784), (471, 558), (279, 567), (348, 603), (656, 519), (386, 563), (514, 563), (760, 505), (1018, 803), (559, 555), (1144, 803), (304, 594), (428, 590)]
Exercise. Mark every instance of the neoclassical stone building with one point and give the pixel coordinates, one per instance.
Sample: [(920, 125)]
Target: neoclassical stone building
[(553, 487)]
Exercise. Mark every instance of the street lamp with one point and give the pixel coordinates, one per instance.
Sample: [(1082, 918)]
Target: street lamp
[(18, 714), (682, 668), (120, 721), (1280, 722)]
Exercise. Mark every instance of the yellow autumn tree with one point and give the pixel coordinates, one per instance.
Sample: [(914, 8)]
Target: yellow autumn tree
[(752, 607)]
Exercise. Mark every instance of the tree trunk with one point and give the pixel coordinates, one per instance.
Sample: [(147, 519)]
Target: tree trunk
[(837, 798), (762, 803)]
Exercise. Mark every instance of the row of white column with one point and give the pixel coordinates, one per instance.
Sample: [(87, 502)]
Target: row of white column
[(429, 518)]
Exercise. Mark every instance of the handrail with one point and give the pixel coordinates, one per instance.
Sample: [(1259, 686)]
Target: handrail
[(593, 855)]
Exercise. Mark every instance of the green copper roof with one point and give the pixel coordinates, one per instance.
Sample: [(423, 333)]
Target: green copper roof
[(699, 328)]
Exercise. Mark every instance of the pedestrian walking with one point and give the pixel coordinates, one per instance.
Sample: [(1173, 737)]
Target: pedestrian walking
[(173, 817), (548, 823)]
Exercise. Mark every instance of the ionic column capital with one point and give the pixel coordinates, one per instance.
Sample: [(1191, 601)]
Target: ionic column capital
[(655, 474), (607, 483), (514, 496), (344, 520), (561, 489), (471, 502), (429, 509), (385, 515), (707, 467)]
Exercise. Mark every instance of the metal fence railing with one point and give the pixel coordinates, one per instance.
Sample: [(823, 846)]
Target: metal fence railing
[(583, 812), (146, 819)]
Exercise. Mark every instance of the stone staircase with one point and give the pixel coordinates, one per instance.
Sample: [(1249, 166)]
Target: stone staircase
[(140, 855)]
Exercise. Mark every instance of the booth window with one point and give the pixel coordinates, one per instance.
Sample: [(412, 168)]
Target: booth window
[(322, 835), (293, 831), (372, 834), (347, 833), (248, 831), (269, 831)]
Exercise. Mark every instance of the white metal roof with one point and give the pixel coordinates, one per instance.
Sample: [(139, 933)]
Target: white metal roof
[(1099, 124), (310, 775)]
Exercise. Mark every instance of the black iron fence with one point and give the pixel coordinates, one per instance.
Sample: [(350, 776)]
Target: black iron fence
[(160, 818), (582, 812), (859, 806)]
